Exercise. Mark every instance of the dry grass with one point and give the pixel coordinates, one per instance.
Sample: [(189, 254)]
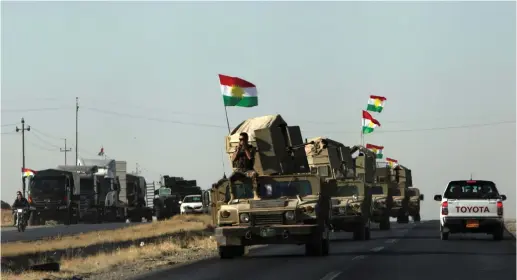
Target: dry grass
[(146, 256), (176, 224), (7, 217)]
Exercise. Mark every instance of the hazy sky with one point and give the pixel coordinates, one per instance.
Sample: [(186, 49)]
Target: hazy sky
[(140, 68)]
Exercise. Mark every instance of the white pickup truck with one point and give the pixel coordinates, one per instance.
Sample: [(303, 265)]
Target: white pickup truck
[(471, 206)]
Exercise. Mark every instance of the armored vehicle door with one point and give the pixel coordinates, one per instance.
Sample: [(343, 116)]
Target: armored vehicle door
[(218, 196)]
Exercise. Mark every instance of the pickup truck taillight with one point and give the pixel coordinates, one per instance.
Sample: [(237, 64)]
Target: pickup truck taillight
[(499, 208), (30, 199), (65, 199), (445, 208)]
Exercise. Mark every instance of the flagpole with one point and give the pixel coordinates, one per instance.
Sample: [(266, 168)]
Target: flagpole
[(227, 121), (362, 130)]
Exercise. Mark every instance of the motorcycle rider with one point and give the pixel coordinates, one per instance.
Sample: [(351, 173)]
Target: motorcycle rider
[(20, 202)]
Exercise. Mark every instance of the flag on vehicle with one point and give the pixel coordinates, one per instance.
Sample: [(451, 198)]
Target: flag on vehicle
[(26, 172), (376, 103), (392, 162), (101, 153), (238, 92), (376, 149), (369, 123)]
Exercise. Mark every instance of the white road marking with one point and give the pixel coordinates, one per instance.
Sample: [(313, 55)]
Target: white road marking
[(331, 275), (356, 258), (377, 249), (391, 241)]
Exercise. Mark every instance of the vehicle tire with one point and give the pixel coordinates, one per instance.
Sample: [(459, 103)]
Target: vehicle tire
[(498, 234), (230, 252), (443, 235), (367, 233), (416, 218), (385, 224), (315, 247), (403, 219)]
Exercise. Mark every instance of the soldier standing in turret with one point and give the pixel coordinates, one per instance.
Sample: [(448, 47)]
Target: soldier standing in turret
[(243, 160)]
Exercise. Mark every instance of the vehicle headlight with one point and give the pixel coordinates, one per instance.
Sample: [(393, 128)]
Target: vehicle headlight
[(225, 214), (342, 210), (244, 218), (289, 215), (354, 197)]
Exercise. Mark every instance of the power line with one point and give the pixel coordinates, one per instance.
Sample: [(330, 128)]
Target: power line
[(11, 124), (46, 134), (33, 110), (379, 130), (39, 146), (152, 119), (44, 141)]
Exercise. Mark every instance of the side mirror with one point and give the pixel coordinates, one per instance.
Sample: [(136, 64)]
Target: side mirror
[(503, 197), (438, 197), (205, 197), (422, 197)]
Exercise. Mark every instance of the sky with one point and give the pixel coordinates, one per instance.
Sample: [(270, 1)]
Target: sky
[(146, 78)]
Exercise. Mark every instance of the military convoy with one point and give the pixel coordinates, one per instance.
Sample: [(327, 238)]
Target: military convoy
[(303, 190)]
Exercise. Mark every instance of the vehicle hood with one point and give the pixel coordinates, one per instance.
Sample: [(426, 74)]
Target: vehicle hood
[(272, 204), (346, 201)]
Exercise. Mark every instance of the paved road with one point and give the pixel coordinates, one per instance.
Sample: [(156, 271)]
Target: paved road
[(11, 234), (407, 252)]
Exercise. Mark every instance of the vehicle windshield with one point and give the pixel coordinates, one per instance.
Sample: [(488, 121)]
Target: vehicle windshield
[(471, 190), (377, 190), (412, 193), (48, 185), (347, 190), (241, 191), (189, 199), (164, 191), (286, 188), (397, 192)]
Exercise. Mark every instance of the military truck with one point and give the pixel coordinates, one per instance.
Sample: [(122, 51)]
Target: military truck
[(414, 203), (284, 204), (108, 194), (53, 194), (353, 169), (383, 201), (169, 196), (399, 179)]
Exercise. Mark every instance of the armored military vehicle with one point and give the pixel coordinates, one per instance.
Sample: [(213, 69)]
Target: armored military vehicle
[(399, 180), (284, 204), (170, 194), (414, 203), (384, 190), (353, 169)]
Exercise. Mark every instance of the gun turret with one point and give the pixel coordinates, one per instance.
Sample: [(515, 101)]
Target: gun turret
[(279, 146), (330, 158)]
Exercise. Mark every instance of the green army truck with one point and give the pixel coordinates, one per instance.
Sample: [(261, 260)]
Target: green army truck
[(284, 204), (354, 172), (414, 203), (169, 196), (384, 190)]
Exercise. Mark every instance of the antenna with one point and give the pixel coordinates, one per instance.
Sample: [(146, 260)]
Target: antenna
[(470, 175), (222, 161)]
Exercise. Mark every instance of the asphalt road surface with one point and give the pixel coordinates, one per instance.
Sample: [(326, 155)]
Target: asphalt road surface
[(11, 234), (406, 252)]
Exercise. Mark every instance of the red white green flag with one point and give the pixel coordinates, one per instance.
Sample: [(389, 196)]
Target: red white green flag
[(376, 149), (238, 92), (392, 162), (376, 103), (369, 123)]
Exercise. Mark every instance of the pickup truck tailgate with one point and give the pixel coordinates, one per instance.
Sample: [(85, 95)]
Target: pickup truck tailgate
[(472, 208)]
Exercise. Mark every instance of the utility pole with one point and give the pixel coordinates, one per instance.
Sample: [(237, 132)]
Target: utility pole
[(23, 129), (65, 150), (76, 131)]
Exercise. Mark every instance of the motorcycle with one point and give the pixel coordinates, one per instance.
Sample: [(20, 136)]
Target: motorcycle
[(21, 222)]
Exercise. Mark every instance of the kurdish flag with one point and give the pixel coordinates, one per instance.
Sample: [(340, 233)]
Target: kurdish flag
[(376, 103), (392, 162), (26, 172), (376, 149), (369, 123), (238, 92)]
